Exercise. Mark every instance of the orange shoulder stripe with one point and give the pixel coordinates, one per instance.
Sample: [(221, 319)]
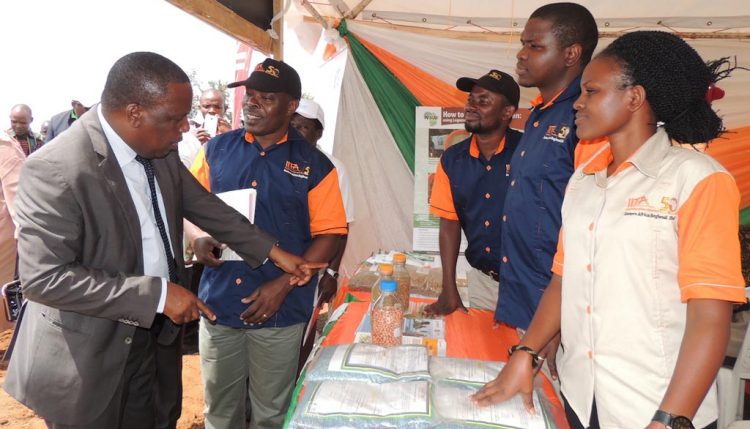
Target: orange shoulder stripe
[(709, 247), (441, 198), (326, 207), (201, 170)]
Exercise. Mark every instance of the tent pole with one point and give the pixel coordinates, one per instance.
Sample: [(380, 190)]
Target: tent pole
[(357, 9), (316, 16), (277, 45)]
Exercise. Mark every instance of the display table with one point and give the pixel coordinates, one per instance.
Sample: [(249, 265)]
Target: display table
[(474, 335)]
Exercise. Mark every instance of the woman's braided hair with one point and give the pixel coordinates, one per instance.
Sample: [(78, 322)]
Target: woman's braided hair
[(675, 79)]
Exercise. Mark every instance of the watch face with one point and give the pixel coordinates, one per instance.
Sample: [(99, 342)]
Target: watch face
[(681, 422)]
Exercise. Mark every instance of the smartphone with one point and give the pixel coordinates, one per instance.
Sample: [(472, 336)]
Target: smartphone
[(211, 124), (12, 300)]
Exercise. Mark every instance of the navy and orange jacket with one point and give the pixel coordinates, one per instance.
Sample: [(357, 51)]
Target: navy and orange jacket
[(471, 190), (298, 197)]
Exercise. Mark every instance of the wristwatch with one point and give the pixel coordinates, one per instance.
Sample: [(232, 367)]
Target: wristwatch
[(671, 421), (333, 273)]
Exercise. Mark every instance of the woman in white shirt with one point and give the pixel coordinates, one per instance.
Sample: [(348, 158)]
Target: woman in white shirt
[(648, 261)]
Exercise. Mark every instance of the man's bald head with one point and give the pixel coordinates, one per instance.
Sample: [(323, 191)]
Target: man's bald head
[(21, 119), (22, 108), (212, 102)]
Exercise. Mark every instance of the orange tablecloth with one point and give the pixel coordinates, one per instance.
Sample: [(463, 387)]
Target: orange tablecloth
[(474, 335)]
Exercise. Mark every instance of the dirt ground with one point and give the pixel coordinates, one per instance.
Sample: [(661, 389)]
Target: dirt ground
[(16, 416)]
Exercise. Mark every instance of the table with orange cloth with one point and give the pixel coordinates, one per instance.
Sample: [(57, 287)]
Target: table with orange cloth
[(474, 336)]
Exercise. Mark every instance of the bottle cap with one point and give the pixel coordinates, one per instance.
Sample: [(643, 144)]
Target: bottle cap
[(399, 257), (388, 286), (386, 269)]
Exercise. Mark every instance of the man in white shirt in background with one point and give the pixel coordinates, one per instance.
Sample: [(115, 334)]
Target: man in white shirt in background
[(211, 103), (309, 121)]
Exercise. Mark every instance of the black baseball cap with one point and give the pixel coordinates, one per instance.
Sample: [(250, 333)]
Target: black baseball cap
[(273, 76), (495, 81)]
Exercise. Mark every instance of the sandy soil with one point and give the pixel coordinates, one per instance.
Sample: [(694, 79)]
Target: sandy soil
[(16, 416)]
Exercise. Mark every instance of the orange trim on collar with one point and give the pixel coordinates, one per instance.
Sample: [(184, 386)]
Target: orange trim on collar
[(474, 147), (599, 163), (250, 138), (603, 160), (539, 100)]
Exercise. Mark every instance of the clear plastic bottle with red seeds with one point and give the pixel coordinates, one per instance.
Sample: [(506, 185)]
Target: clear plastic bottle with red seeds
[(387, 316)]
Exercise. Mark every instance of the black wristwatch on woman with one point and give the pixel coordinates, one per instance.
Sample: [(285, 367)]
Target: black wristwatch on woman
[(671, 421)]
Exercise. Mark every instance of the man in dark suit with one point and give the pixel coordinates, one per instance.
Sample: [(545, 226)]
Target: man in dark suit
[(100, 219), (63, 120)]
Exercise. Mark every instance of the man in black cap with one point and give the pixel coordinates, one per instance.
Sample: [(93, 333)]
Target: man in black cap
[(260, 318), (469, 190)]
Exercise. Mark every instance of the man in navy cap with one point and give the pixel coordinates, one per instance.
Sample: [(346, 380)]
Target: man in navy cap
[(260, 318), (469, 190)]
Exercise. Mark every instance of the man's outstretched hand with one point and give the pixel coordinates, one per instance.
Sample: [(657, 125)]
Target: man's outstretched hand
[(300, 269)]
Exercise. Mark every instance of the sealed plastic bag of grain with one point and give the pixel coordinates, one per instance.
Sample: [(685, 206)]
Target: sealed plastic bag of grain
[(360, 404), (370, 362)]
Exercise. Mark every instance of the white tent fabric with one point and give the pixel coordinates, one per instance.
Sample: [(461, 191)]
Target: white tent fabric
[(448, 59), (381, 181), (504, 15), (445, 58), (382, 185)]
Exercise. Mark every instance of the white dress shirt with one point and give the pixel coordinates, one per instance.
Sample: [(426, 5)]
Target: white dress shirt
[(154, 256)]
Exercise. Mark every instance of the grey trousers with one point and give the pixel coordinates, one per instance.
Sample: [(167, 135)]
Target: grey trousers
[(268, 356)]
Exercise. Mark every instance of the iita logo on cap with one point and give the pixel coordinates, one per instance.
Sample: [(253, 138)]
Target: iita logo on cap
[(495, 75), (270, 70)]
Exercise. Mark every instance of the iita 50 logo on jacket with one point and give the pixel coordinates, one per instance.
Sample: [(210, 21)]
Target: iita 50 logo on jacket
[(294, 170)]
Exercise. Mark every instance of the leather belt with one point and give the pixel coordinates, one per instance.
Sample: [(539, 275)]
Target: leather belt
[(492, 274)]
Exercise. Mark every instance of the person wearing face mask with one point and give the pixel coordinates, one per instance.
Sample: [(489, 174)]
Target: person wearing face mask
[(469, 190)]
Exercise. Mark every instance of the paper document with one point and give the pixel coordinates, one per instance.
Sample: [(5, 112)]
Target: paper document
[(393, 362), (452, 402), (242, 200), (365, 399), (466, 370)]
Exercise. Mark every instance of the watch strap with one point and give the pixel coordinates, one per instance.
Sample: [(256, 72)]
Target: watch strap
[(672, 421), (536, 360), (333, 273), (662, 417)]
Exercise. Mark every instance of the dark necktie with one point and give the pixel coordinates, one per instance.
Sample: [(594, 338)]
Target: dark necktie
[(172, 265), (167, 330)]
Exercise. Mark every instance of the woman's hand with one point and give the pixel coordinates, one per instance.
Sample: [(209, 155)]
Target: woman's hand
[(517, 376)]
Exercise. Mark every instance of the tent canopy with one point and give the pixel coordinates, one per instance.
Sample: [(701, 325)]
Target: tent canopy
[(402, 54), (248, 21)]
